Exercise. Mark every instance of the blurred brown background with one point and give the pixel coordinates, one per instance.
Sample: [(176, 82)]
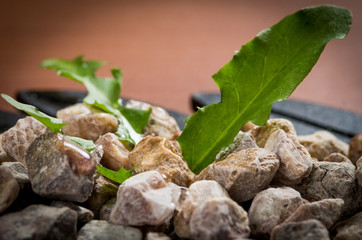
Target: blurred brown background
[(166, 49)]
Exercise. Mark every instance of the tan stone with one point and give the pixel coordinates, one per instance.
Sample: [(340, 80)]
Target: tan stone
[(355, 148), (322, 143), (349, 229), (86, 122), (115, 154), (262, 133), (156, 153), (17, 140), (160, 122), (145, 199), (195, 195), (243, 174), (295, 161)]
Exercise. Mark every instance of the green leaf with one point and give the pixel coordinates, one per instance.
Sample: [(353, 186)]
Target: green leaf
[(136, 117), (265, 70), (53, 124), (103, 93), (118, 177), (83, 143)]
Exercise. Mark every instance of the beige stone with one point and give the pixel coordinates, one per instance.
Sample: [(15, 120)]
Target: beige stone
[(87, 122), (295, 161), (322, 143), (355, 148), (115, 154), (262, 133), (9, 188), (145, 199), (243, 174), (17, 140), (349, 229), (219, 219), (160, 122), (194, 196), (359, 171), (327, 211), (156, 153), (337, 157), (271, 207)]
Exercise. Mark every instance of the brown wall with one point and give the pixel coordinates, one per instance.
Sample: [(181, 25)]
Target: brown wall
[(167, 49)]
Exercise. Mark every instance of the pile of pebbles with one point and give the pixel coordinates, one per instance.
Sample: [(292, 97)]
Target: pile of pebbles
[(268, 184)]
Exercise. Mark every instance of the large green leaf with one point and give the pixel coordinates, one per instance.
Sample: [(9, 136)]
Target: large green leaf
[(265, 70)]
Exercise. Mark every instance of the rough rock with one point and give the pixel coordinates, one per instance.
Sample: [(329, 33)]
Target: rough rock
[(145, 199), (261, 134), (115, 154), (160, 123), (157, 236), (337, 157), (83, 215), (355, 148), (3, 156), (295, 161), (106, 209), (247, 127), (17, 140), (19, 172), (349, 229), (103, 230), (39, 222), (331, 180), (327, 211), (271, 207), (322, 143), (86, 122), (194, 196), (219, 218), (243, 174), (155, 153), (60, 169), (359, 171), (306, 230), (103, 191), (243, 140), (9, 188)]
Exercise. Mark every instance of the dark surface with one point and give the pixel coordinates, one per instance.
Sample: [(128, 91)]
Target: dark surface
[(50, 102), (306, 118)]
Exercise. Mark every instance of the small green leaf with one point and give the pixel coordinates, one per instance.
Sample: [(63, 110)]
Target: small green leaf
[(265, 70), (136, 117), (103, 93), (83, 143), (118, 177), (53, 124)]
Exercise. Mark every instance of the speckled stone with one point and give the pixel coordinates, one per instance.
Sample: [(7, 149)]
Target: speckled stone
[(355, 148), (349, 229), (9, 188), (322, 143), (60, 169), (243, 174), (295, 161), (145, 199), (219, 219), (271, 207), (306, 230)]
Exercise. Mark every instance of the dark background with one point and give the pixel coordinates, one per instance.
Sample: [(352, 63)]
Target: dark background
[(166, 49)]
